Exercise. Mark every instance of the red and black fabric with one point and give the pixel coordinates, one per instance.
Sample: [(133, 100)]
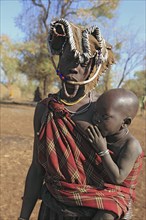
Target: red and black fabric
[(75, 175)]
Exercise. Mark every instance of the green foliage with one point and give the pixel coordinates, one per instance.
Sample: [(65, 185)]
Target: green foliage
[(98, 9), (137, 84), (9, 60), (28, 89), (105, 82), (104, 8), (118, 45), (34, 62)]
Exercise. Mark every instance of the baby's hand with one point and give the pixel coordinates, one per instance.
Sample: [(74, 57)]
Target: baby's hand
[(96, 139)]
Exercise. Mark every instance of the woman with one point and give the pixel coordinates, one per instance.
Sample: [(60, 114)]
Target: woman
[(59, 153)]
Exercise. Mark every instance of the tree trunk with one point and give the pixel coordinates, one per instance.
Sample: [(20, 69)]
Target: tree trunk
[(45, 86)]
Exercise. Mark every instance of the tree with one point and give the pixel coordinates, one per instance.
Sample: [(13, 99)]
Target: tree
[(137, 84), (36, 12), (93, 10), (130, 56), (36, 64), (9, 59), (129, 53)]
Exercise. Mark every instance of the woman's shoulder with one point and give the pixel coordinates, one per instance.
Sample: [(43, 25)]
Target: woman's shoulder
[(40, 112), (42, 106)]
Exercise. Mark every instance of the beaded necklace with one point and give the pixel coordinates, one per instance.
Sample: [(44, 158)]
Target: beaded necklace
[(82, 110), (72, 103)]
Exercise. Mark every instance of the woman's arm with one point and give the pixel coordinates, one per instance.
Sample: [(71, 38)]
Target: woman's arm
[(35, 176)]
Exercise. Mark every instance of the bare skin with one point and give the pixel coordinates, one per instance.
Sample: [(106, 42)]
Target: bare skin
[(111, 119)]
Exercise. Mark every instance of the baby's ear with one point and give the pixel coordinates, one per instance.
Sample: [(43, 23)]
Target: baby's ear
[(127, 121)]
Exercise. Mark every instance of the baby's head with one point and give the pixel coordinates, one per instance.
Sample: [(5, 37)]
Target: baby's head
[(115, 110)]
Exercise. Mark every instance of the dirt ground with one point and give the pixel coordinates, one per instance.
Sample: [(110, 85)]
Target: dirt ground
[(15, 158)]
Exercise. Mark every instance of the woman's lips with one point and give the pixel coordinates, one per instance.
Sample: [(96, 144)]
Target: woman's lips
[(71, 78)]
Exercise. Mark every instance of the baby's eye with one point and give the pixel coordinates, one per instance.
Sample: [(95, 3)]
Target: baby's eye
[(105, 117)]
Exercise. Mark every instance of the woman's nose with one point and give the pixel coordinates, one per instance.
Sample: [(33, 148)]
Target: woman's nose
[(73, 71)]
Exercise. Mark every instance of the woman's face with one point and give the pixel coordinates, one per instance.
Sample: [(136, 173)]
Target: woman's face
[(70, 66), (71, 69)]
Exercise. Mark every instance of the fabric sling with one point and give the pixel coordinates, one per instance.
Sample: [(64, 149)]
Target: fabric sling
[(75, 175)]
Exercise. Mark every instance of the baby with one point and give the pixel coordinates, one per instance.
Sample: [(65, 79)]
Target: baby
[(118, 149)]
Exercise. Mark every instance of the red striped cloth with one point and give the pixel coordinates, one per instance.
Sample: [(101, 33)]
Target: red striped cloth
[(74, 173)]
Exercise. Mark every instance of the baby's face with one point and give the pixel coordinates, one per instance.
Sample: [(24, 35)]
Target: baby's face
[(108, 119)]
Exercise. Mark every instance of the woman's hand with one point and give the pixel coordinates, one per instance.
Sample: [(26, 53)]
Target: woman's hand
[(96, 139)]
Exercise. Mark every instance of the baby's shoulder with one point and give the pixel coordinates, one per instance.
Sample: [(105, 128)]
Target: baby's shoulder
[(133, 146)]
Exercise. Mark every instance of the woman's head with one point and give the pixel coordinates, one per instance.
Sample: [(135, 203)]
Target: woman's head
[(80, 50)]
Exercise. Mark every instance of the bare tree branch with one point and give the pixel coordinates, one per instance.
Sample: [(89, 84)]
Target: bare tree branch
[(45, 15), (127, 70), (69, 13)]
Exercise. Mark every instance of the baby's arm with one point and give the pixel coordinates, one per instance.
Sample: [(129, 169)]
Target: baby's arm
[(120, 170)]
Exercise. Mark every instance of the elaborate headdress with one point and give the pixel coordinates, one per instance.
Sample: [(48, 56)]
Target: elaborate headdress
[(84, 43)]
